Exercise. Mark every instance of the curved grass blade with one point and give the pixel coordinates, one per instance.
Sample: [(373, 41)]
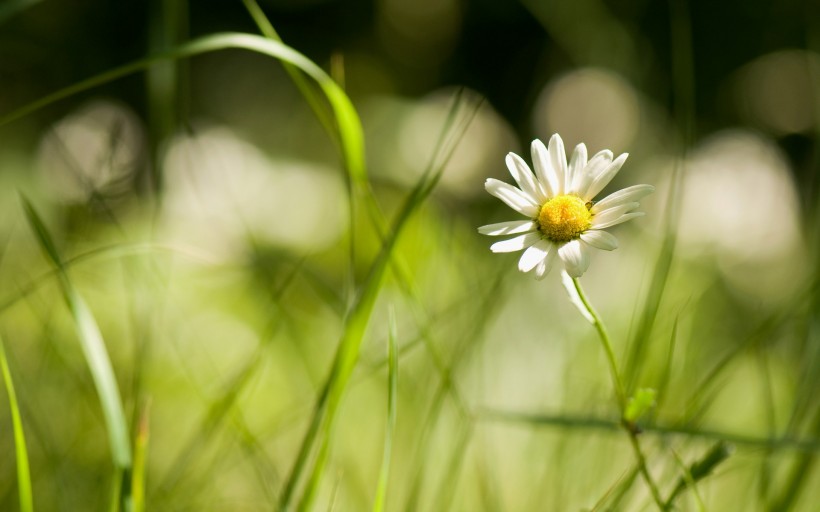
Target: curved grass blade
[(347, 120), (23, 472), (93, 347), (392, 387)]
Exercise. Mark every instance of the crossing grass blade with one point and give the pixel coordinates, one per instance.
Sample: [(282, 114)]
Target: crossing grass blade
[(347, 353), (23, 471), (305, 88), (93, 347)]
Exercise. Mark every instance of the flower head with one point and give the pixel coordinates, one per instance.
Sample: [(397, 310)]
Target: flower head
[(562, 220)]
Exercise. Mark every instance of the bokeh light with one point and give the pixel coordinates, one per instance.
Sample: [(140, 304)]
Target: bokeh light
[(588, 105)]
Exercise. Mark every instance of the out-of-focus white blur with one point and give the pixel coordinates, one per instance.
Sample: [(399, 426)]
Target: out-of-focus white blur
[(589, 105), (740, 203), (221, 190), (95, 150)]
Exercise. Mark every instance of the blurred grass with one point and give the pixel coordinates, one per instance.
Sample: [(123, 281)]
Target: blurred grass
[(20, 450), (503, 404)]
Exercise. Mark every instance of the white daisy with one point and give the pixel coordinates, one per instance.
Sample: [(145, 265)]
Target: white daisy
[(563, 221)]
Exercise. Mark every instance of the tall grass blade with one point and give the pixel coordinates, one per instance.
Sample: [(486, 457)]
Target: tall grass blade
[(93, 347), (168, 26), (23, 472), (348, 349), (392, 387), (684, 95)]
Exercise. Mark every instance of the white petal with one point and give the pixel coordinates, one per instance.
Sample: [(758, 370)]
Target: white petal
[(600, 239), (534, 255), (544, 267), (626, 195), (523, 176), (575, 256), (558, 160), (508, 228), (576, 166), (516, 244), (611, 213), (551, 182), (619, 220), (575, 297), (603, 179), (513, 197), (592, 170)]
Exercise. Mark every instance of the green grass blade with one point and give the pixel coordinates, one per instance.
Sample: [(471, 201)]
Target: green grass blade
[(348, 349), (103, 373), (93, 347), (392, 386), (347, 120), (308, 93), (23, 472)]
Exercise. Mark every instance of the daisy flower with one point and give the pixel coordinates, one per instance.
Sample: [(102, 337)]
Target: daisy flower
[(563, 221)]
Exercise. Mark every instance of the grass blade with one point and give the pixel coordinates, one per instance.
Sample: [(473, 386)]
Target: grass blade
[(392, 386), (348, 349), (23, 472), (93, 347), (308, 93), (347, 120)]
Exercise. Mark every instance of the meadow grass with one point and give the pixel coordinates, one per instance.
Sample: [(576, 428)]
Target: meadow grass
[(402, 369)]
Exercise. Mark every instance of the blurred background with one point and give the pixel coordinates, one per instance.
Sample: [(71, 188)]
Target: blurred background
[(206, 217)]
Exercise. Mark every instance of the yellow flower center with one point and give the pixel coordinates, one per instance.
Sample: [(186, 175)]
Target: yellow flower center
[(564, 218)]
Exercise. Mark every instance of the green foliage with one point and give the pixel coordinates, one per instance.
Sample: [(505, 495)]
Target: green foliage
[(257, 366)]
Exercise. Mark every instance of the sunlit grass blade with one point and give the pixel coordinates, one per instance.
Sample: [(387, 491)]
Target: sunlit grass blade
[(348, 349), (392, 387), (21, 452), (93, 347), (347, 120), (349, 346)]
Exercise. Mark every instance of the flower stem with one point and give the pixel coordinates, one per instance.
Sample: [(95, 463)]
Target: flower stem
[(620, 394)]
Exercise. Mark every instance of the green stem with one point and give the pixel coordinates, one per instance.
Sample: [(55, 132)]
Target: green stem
[(621, 396), (610, 354)]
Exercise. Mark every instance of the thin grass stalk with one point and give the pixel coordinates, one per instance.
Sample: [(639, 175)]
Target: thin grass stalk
[(21, 452), (167, 28), (308, 92), (392, 397), (683, 74), (621, 396)]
